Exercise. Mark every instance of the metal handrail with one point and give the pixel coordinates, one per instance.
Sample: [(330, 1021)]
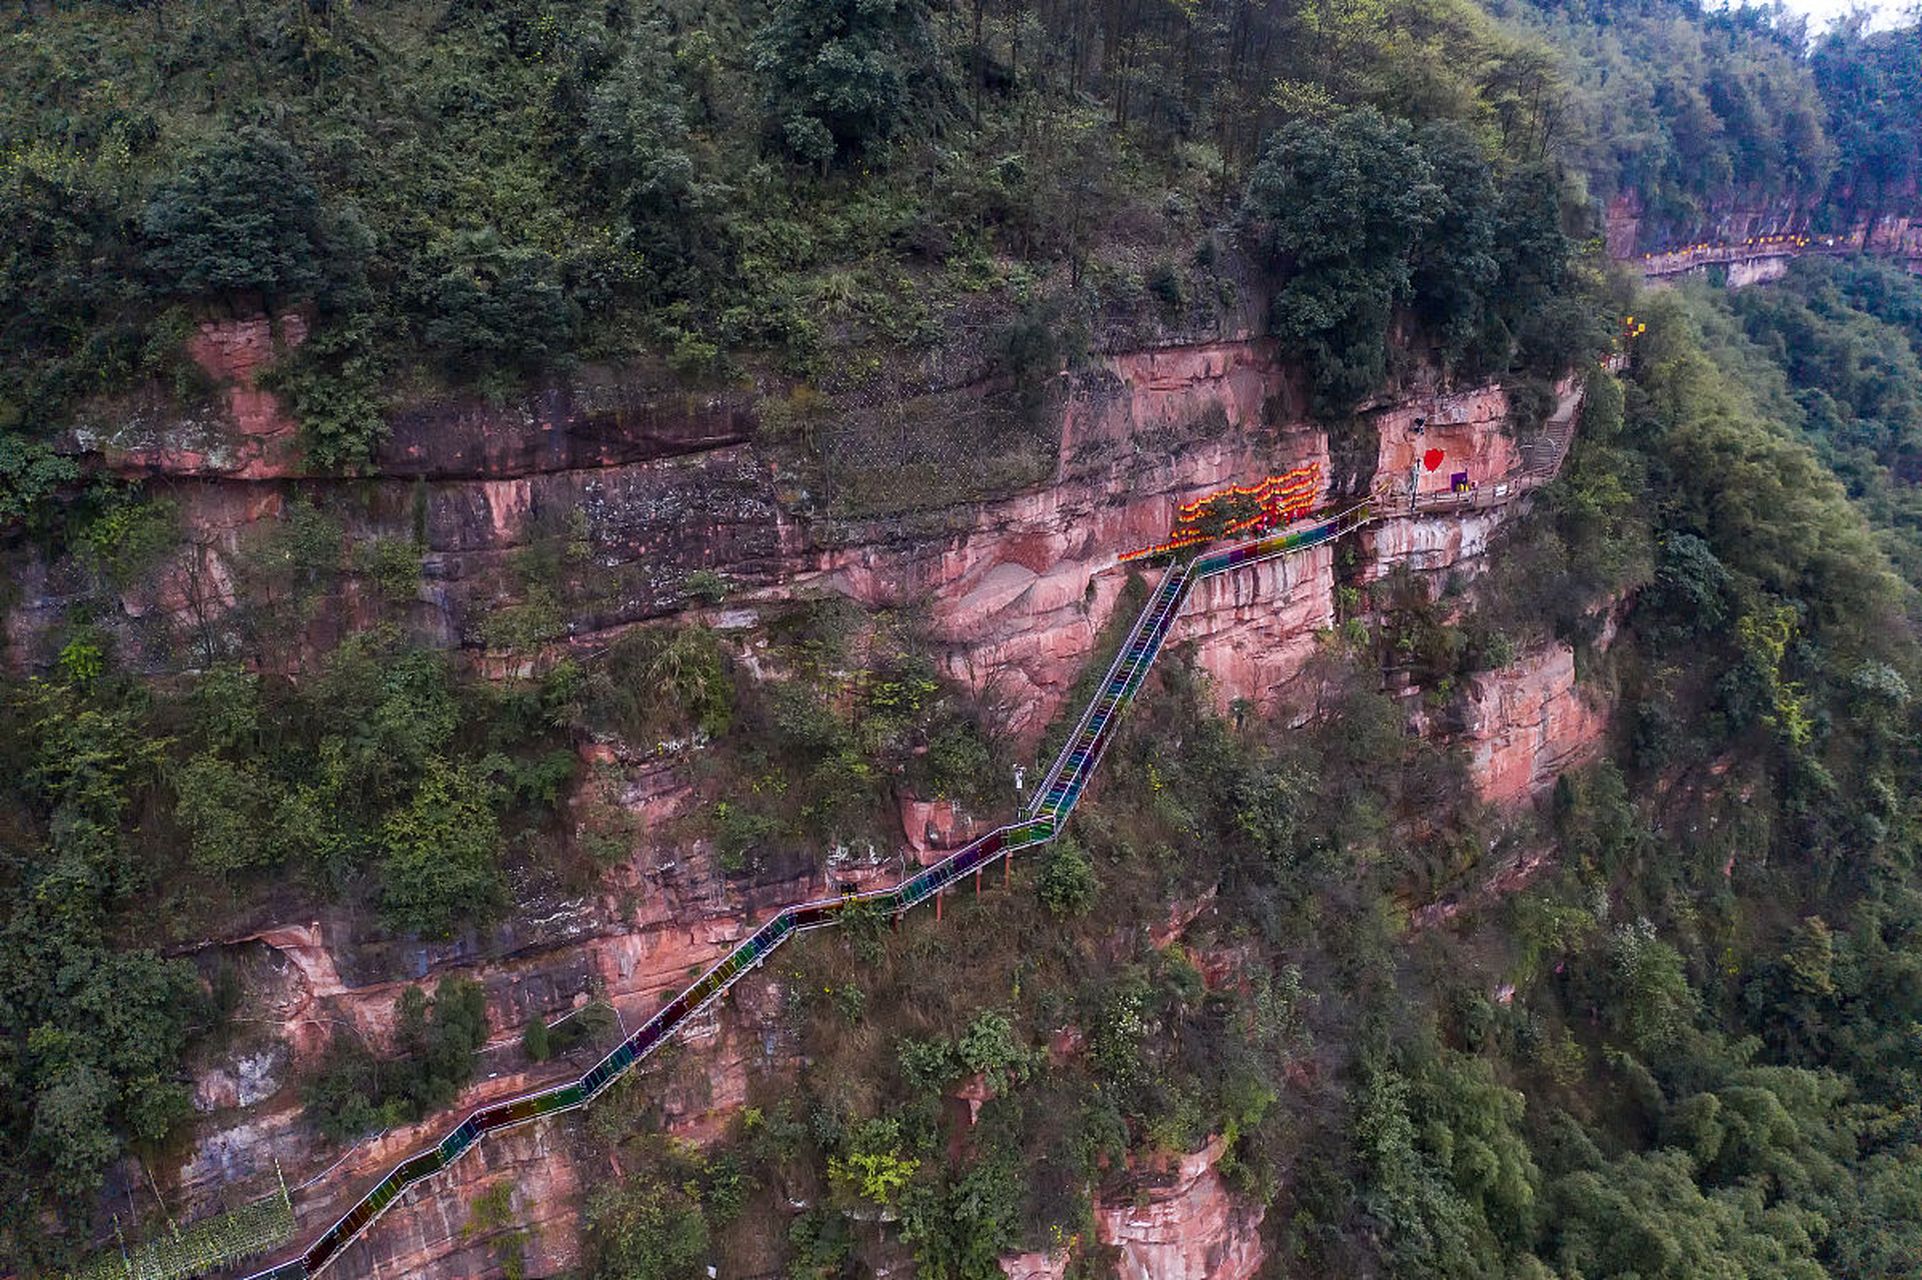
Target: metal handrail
[(1175, 575)]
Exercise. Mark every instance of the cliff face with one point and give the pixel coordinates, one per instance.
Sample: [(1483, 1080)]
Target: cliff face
[(1192, 1228), (1188, 1225), (661, 484), (1630, 230), (1527, 724), (440, 1230), (1735, 232)]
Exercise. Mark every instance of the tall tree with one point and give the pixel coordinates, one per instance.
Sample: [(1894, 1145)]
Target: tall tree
[(844, 75), (242, 216), (1338, 210)]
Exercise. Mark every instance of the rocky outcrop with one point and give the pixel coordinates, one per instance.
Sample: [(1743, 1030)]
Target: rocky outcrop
[(664, 915), (1183, 1224), (932, 827), (1018, 587), (1018, 593), (1629, 229), (600, 418), (697, 1090), (438, 1229), (241, 430), (1255, 631), (1427, 442), (535, 1174), (1756, 271), (1038, 1265), (1622, 226), (1190, 1228), (1429, 543), (1527, 723), (1753, 235)]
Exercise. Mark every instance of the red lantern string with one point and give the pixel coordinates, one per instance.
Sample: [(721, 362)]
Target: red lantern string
[(1277, 499)]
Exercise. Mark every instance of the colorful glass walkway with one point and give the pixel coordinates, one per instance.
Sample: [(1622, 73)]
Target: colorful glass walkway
[(1054, 801)]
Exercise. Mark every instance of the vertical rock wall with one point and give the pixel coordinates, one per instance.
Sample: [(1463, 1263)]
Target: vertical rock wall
[(1255, 630), (1527, 724), (1194, 1228), (1017, 590)]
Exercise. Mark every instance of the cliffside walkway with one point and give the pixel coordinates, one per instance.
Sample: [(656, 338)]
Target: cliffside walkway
[(1666, 264), (1047, 815), (1045, 818)]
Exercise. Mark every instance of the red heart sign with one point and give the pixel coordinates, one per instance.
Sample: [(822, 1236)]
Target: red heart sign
[(1432, 459)]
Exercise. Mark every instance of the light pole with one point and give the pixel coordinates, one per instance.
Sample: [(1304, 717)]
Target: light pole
[(1414, 466)]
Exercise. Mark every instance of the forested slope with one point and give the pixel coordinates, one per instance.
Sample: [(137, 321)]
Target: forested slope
[(1683, 1050)]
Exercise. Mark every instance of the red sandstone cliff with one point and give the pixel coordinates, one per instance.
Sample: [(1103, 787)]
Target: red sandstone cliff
[(1191, 1228), (1527, 724), (1018, 587), (1753, 237)]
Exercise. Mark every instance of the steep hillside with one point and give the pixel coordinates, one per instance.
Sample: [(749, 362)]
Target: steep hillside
[(502, 498)]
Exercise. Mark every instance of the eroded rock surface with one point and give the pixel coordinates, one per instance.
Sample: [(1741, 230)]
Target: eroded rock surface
[(1527, 723), (659, 485), (1192, 1228)]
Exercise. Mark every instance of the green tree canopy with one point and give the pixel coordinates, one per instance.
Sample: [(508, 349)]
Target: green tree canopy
[(241, 216), (1338, 210), (440, 854), (843, 75)]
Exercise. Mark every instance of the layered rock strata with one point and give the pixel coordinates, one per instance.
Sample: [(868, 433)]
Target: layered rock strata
[(659, 485)]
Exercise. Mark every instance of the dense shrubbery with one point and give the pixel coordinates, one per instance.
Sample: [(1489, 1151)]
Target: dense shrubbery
[(1719, 1124), (844, 76), (1844, 337), (1363, 215), (658, 1221), (1681, 107), (1067, 883), (810, 759), (588, 1025), (493, 191), (373, 779), (1872, 85), (240, 217), (382, 778), (93, 1029), (354, 1092)]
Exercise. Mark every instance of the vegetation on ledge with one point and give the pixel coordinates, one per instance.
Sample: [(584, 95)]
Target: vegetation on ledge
[(1683, 1049)]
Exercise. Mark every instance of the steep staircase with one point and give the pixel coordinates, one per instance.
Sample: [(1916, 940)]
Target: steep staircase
[(1543, 452), (1054, 802)]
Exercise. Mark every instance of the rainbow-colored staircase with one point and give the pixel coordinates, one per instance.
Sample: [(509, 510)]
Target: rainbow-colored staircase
[(1048, 813)]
